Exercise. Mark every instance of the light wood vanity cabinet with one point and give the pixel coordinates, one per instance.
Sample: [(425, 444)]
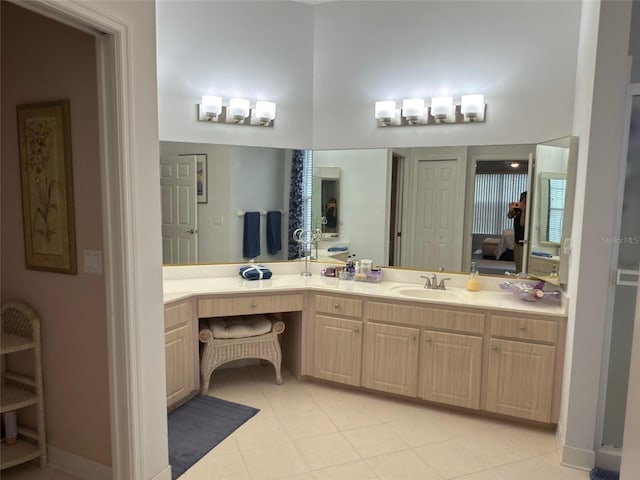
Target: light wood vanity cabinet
[(466, 357), (181, 350), (523, 368), (337, 349), (337, 341), (249, 304), (451, 368), (391, 358)]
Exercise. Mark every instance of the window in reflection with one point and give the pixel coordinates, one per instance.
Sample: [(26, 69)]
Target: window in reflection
[(555, 197)]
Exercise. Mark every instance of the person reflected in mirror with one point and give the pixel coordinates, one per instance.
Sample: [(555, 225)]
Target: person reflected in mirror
[(518, 211), (331, 214)]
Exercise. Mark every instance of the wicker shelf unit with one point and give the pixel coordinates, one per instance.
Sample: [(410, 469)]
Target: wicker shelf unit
[(21, 332)]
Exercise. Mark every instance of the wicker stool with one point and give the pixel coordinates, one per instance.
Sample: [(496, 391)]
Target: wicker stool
[(235, 338)]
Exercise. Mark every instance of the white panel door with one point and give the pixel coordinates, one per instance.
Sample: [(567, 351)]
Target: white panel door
[(179, 212), (438, 229)]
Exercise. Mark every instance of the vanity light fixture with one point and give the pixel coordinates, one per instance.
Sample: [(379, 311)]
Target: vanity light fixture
[(211, 107), (472, 107), (385, 111), (238, 112), (239, 109), (265, 112), (413, 110), (443, 110)]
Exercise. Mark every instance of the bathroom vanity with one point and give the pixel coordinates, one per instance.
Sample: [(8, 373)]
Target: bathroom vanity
[(485, 351)]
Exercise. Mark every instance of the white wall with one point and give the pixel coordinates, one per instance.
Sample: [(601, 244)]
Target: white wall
[(363, 199), (521, 55), (252, 49), (334, 60)]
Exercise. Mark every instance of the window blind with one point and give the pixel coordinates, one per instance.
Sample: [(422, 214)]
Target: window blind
[(557, 188), (493, 192)]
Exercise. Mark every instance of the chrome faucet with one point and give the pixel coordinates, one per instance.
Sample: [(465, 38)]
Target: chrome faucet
[(432, 282), (441, 285)]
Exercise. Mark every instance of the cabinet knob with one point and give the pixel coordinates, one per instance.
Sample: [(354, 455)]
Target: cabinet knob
[(427, 339), (494, 349), (336, 306), (254, 305), (523, 328), (413, 337), (356, 330)]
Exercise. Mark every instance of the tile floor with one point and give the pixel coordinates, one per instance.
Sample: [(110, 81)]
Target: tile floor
[(315, 431)]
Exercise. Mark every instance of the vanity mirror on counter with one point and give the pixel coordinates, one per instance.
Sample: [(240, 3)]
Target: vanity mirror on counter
[(383, 195), (550, 221)]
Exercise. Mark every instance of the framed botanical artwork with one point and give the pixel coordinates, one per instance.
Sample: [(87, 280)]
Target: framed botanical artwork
[(201, 178), (44, 136)]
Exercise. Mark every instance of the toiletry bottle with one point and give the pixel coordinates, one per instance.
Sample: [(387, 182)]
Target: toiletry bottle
[(473, 284)]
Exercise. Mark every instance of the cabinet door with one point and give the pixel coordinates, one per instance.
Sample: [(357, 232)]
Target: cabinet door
[(337, 349), (180, 351), (391, 359), (520, 379), (451, 368)]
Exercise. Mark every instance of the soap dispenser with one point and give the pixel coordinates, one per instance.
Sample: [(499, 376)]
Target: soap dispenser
[(473, 284)]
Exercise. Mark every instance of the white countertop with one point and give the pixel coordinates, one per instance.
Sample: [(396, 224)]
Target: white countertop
[(186, 281)]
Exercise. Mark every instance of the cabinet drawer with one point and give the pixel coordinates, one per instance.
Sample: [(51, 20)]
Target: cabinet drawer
[(248, 305), (176, 315), (456, 321), (344, 307), (392, 313), (524, 329)]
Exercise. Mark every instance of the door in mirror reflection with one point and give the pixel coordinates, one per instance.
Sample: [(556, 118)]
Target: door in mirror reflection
[(178, 186)]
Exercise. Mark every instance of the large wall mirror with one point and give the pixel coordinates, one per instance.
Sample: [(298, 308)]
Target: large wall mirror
[(426, 208)]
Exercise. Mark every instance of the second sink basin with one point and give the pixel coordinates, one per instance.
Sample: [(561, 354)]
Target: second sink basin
[(428, 294)]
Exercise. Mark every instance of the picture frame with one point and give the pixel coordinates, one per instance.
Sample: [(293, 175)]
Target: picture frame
[(44, 141), (201, 178)]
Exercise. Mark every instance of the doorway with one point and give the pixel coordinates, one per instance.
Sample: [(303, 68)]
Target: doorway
[(496, 183), (395, 209)]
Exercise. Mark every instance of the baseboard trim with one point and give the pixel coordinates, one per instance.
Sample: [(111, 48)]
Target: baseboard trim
[(609, 458), (164, 475), (577, 458), (76, 465), (559, 437)]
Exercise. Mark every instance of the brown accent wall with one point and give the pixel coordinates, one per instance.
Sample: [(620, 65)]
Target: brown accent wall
[(43, 60)]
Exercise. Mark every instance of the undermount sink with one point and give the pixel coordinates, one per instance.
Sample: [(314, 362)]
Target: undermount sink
[(429, 294)]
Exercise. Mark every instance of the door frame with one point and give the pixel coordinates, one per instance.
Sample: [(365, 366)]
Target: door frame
[(471, 192), (122, 299)]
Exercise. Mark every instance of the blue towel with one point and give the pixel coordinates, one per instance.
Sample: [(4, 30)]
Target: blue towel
[(337, 249), (274, 229), (542, 254), (255, 272), (251, 238)]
